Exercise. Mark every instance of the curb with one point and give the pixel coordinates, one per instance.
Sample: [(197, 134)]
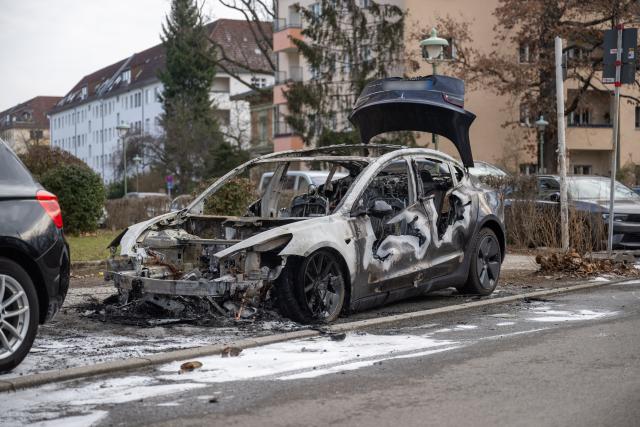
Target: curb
[(13, 384)]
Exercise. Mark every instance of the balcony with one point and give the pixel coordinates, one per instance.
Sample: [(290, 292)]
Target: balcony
[(294, 74), (282, 78), (282, 128), (589, 137), (284, 32)]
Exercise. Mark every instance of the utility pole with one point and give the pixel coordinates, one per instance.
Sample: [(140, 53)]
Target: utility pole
[(562, 152), (614, 153)]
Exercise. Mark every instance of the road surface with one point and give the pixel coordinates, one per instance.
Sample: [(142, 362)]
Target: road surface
[(571, 361)]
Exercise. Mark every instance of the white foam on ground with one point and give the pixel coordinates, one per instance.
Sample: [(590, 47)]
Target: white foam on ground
[(465, 327), (64, 404), (302, 357), (505, 324), (74, 421), (547, 315)]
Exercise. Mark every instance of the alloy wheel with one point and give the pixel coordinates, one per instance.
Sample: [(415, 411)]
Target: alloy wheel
[(488, 265), (323, 284), (14, 315)]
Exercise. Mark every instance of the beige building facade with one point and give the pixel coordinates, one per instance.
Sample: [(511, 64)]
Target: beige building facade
[(514, 147)]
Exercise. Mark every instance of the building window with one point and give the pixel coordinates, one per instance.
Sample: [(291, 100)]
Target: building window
[(147, 123), (524, 115), (528, 169), (126, 76), (637, 117), (157, 94), (316, 9), (263, 124), (223, 116), (146, 96), (450, 52), (580, 117), (524, 53), (582, 169), (83, 92)]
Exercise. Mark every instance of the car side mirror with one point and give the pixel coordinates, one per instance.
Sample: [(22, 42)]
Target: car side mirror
[(555, 197), (381, 208)]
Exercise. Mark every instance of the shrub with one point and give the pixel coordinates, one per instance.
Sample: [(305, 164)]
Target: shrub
[(531, 224), (123, 212), (231, 199), (81, 195), (40, 159)]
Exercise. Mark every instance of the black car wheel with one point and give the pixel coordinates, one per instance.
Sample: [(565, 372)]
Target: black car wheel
[(312, 291), (486, 261), (18, 314)]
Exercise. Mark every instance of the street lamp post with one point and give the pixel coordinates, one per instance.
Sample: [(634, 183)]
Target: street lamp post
[(432, 49), (137, 159), (122, 129), (541, 124)]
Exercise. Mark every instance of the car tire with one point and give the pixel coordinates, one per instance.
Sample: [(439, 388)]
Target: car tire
[(311, 289), (484, 268), (19, 318)]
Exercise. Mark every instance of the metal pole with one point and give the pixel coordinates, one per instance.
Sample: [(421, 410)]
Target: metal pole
[(434, 136), (124, 154), (562, 152), (614, 153), (541, 151)]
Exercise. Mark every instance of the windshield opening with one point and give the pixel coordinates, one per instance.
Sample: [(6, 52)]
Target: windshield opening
[(282, 189)]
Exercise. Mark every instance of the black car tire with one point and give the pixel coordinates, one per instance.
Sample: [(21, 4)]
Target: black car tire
[(16, 272), (299, 293), (484, 268)]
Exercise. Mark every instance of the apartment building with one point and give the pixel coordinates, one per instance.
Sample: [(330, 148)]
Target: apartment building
[(27, 123), (589, 131), (129, 91)]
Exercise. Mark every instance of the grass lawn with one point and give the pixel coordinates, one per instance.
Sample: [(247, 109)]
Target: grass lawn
[(91, 247)]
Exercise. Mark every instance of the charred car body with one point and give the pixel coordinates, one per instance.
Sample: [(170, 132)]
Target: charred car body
[(387, 223)]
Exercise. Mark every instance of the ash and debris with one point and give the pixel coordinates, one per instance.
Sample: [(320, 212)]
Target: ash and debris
[(153, 310), (574, 264)]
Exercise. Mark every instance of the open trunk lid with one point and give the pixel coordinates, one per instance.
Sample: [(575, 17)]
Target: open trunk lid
[(428, 104)]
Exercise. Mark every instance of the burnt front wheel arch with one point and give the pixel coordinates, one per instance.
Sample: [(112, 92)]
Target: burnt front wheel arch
[(312, 289)]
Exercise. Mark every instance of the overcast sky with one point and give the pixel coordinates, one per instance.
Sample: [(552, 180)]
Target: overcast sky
[(47, 46)]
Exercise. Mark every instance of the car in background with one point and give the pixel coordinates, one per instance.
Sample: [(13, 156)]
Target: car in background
[(300, 180), (480, 169), (590, 194), (34, 259)]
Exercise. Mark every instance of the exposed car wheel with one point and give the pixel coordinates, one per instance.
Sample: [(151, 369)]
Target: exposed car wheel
[(18, 314), (484, 269), (312, 291)]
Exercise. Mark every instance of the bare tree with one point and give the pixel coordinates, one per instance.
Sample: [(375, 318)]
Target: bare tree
[(259, 14)]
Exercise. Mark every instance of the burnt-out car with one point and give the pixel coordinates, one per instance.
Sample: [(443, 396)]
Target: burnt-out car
[(397, 222)]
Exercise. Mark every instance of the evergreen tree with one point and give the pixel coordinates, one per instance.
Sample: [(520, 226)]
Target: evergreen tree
[(346, 46), (192, 134)]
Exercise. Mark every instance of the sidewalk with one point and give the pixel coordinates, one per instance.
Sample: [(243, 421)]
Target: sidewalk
[(520, 263)]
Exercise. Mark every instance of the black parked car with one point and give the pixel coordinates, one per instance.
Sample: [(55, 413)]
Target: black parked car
[(34, 258), (591, 194)]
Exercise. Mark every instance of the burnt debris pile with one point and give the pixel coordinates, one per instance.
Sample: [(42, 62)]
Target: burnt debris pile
[(156, 310)]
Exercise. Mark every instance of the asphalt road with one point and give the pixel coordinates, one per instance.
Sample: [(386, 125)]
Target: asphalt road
[(570, 361)]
